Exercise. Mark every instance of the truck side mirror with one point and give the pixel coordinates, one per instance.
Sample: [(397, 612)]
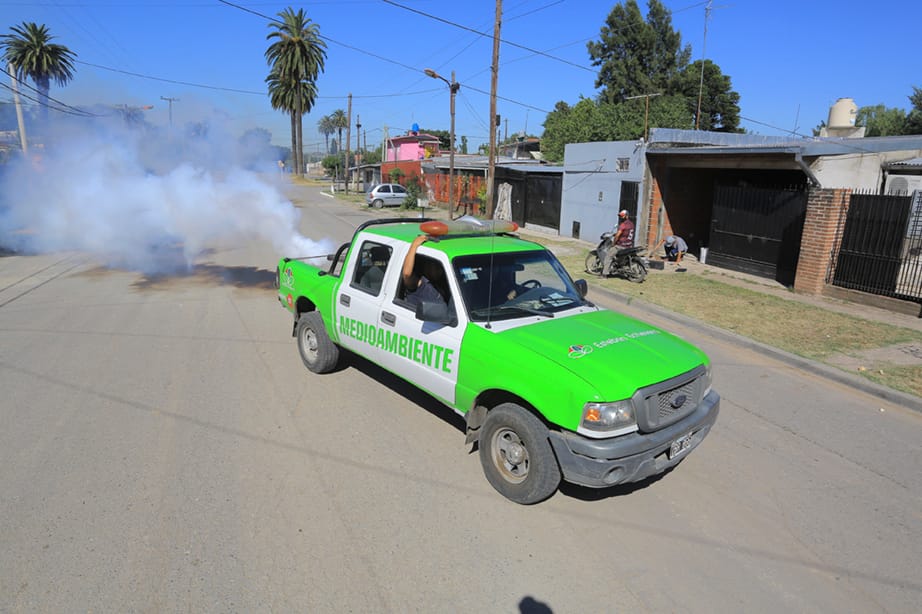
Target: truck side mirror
[(582, 287), (430, 311)]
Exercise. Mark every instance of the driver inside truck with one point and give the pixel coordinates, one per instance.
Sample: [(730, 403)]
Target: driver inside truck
[(424, 277)]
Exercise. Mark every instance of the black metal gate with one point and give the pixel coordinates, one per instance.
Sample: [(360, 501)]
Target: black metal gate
[(757, 230), (881, 245), (542, 200)]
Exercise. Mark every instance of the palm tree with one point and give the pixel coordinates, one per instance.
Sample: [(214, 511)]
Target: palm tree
[(31, 53), (283, 95), (296, 58), (326, 128), (339, 121)]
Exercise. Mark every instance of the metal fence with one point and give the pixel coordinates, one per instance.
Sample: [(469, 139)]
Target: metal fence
[(881, 247)]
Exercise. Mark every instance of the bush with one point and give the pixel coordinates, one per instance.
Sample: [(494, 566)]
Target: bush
[(413, 191)]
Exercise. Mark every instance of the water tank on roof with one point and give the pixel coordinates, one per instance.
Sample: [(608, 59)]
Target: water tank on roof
[(843, 113)]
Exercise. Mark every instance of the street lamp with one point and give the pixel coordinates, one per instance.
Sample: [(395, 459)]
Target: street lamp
[(453, 87)]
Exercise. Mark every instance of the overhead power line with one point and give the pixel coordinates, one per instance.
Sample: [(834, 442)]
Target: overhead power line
[(380, 57), (487, 35)]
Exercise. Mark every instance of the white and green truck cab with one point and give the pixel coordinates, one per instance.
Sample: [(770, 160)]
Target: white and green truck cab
[(551, 386)]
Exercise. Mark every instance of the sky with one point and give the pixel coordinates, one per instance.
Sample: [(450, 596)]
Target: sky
[(789, 60)]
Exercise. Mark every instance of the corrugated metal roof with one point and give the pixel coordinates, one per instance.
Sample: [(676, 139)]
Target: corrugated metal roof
[(913, 162), (669, 140)]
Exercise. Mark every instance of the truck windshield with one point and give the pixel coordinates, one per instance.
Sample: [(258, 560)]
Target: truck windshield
[(502, 286)]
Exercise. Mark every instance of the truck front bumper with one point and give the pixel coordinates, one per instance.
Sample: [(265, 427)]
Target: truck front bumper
[(599, 463)]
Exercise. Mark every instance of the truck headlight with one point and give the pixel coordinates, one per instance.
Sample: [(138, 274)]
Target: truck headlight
[(608, 419)]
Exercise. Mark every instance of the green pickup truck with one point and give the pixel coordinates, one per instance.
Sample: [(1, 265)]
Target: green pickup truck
[(551, 386)]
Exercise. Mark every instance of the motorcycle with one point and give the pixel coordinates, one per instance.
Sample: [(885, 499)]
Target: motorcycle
[(627, 263)]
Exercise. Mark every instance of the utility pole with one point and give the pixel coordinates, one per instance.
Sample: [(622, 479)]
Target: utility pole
[(170, 101), (494, 73), (646, 112), (358, 147), (348, 138), (453, 87), (22, 124)]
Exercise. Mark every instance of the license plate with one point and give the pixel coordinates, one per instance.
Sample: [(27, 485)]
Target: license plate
[(680, 446)]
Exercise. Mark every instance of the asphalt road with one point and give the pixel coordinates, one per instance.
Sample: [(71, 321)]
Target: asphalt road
[(162, 448)]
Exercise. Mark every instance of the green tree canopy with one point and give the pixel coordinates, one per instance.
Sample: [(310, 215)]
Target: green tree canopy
[(646, 81), (914, 119), (878, 120), (720, 110), (591, 121)]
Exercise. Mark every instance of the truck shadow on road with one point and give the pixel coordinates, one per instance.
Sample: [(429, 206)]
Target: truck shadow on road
[(244, 277), (597, 494), (437, 409), (411, 393)]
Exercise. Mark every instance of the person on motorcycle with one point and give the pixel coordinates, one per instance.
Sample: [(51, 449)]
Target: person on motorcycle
[(623, 237)]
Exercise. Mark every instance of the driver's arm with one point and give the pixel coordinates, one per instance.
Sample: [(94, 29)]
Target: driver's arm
[(410, 278)]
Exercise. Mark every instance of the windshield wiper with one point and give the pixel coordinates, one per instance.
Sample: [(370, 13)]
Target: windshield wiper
[(499, 308)]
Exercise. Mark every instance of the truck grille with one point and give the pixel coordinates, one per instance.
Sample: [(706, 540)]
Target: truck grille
[(667, 402)]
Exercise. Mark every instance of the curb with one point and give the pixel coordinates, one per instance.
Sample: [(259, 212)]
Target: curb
[(903, 399)]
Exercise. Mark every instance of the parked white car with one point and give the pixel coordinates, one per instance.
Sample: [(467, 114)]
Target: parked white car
[(386, 195)]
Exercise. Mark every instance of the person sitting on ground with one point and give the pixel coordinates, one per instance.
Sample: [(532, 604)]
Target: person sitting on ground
[(426, 281), (674, 247)]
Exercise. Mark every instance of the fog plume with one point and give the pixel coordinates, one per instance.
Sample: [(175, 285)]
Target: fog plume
[(145, 200)]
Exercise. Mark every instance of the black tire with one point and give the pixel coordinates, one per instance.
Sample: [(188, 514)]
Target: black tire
[(377, 203), (636, 271), (593, 264), (516, 455), (318, 352)]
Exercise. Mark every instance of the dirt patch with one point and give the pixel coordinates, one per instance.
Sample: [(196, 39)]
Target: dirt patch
[(899, 355)]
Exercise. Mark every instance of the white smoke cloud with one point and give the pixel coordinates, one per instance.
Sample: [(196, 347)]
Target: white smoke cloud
[(145, 200)]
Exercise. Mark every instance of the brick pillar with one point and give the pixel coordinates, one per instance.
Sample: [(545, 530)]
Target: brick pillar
[(658, 225), (823, 223)]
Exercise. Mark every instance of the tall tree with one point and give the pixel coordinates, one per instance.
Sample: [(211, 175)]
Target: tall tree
[(339, 121), (637, 56), (282, 94), (326, 128), (32, 54), (720, 111), (296, 57), (914, 119)]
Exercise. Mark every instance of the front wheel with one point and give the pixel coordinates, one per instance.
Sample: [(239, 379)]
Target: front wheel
[(318, 352), (593, 264), (516, 455), (636, 271)]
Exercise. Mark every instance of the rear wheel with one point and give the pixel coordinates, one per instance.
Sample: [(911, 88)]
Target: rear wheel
[(636, 271), (516, 455), (377, 203), (318, 352), (593, 264)]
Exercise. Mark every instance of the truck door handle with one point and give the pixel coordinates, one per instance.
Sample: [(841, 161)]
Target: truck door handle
[(388, 318), (344, 299)]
